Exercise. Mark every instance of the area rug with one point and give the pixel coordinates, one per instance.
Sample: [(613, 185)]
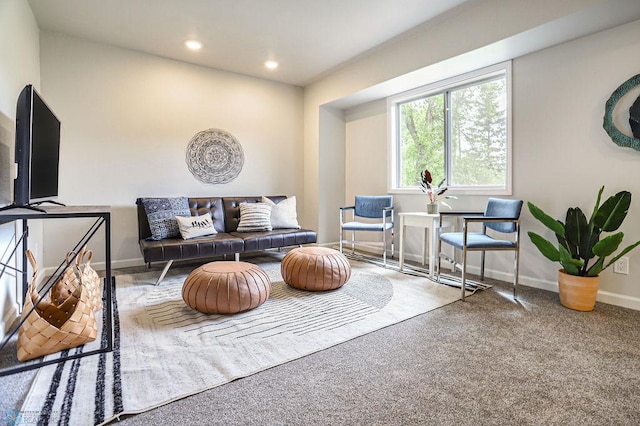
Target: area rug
[(164, 350)]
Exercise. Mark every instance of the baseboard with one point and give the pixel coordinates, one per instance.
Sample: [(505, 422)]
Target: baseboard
[(603, 296), (619, 300)]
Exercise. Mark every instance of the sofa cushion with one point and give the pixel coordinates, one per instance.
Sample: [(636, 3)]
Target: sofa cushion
[(254, 217), (283, 214), (194, 248), (256, 241), (161, 215), (195, 226)]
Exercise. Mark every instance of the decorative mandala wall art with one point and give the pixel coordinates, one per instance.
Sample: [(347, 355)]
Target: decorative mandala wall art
[(616, 135), (214, 156)]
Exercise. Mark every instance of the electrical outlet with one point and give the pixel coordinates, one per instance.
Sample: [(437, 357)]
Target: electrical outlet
[(621, 266)]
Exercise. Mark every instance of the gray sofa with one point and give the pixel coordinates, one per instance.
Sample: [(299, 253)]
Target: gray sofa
[(225, 212)]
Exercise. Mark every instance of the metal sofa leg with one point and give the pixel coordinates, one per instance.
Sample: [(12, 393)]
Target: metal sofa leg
[(164, 271), (236, 256)]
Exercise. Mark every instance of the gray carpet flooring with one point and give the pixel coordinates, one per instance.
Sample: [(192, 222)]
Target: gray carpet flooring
[(488, 360)]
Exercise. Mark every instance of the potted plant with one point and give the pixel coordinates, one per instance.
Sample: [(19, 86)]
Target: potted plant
[(580, 250), (434, 192)]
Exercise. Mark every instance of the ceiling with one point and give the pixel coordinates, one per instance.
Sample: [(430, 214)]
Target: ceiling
[(309, 38)]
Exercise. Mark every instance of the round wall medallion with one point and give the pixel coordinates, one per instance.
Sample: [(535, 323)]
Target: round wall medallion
[(616, 135), (214, 156)]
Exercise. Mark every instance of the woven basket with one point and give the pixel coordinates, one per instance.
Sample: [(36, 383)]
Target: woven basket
[(90, 279), (60, 321)]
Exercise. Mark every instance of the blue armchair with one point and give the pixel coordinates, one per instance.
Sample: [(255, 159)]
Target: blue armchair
[(500, 215), (369, 207)]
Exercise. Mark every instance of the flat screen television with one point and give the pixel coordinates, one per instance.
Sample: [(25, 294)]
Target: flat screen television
[(37, 152)]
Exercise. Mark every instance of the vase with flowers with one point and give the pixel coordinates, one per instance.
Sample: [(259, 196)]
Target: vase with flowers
[(436, 193)]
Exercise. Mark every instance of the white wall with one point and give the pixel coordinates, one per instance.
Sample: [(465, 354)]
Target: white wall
[(19, 65), (562, 155), (127, 118), (19, 57)]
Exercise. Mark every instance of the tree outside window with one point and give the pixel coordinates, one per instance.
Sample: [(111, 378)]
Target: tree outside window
[(459, 133)]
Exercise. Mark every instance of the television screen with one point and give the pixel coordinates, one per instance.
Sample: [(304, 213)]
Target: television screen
[(37, 149)]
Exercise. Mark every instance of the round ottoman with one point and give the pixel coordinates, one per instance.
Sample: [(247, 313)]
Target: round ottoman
[(315, 268), (226, 287)]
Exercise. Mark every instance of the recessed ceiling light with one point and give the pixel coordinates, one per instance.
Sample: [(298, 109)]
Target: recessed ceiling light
[(272, 65), (193, 44)]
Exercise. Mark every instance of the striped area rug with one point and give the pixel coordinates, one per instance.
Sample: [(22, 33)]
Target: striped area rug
[(165, 351)]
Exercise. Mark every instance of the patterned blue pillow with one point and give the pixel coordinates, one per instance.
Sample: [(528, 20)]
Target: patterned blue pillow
[(161, 214)]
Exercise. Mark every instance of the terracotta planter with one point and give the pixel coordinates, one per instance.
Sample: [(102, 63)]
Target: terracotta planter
[(578, 293)]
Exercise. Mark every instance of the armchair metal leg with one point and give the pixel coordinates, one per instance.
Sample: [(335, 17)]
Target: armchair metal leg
[(464, 272), (393, 239), (384, 247), (439, 259), (482, 266), (341, 239), (353, 242), (516, 268)]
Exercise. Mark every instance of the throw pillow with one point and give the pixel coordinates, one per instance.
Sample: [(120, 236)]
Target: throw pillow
[(254, 217), (195, 226), (161, 215), (283, 214)]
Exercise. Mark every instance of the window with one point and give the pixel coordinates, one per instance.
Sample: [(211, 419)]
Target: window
[(458, 129)]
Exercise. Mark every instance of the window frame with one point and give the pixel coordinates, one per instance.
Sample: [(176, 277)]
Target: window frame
[(457, 82)]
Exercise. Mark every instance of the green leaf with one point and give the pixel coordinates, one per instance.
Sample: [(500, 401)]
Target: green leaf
[(596, 268), (611, 214), (622, 253), (547, 249), (578, 233), (597, 205), (570, 269), (555, 225), (566, 257), (571, 248), (570, 264), (608, 245)]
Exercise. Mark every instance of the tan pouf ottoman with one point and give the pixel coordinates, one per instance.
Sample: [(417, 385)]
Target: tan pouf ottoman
[(226, 287), (315, 268)]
